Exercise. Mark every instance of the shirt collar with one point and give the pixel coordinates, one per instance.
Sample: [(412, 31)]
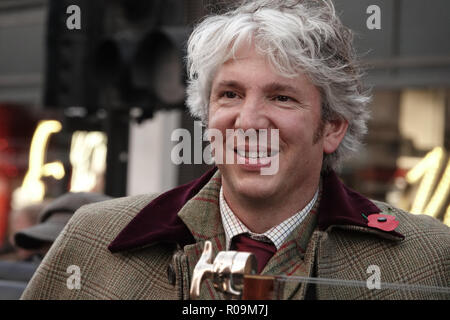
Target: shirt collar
[(159, 220), (277, 234)]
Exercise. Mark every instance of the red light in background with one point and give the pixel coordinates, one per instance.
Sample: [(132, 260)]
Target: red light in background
[(17, 125), (3, 144)]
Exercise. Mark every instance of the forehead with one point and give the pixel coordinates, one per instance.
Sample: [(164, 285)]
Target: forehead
[(249, 68)]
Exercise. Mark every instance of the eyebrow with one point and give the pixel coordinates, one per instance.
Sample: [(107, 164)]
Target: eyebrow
[(270, 87), (230, 84), (276, 86)]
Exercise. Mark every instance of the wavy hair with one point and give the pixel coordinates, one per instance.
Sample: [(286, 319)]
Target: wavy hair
[(295, 36)]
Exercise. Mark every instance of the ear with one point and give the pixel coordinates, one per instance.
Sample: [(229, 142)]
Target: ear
[(334, 132)]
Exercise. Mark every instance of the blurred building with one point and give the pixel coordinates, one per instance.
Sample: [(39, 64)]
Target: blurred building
[(408, 68), (111, 93)]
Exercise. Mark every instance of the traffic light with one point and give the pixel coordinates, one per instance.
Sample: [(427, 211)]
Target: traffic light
[(68, 78), (139, 60), (138, 63), (157, 66), (125, 53)]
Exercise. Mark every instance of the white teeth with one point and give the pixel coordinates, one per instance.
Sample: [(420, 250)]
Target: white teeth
[(263, 154), (241, 153), (251, 154), (255, 155)]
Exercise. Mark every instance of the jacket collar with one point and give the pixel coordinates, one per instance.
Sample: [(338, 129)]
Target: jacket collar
[(159, 220), (163, 219)]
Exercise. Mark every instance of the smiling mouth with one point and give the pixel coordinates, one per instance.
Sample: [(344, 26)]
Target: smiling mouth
[(242, 152)]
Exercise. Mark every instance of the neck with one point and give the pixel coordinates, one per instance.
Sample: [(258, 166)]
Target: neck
[(261, 214)]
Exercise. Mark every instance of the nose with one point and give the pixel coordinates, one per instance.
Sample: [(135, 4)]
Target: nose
[(252, 114)]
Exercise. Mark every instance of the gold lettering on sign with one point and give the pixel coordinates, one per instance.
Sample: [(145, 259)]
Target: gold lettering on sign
[(33, 189), (88, 160), (428, 169)]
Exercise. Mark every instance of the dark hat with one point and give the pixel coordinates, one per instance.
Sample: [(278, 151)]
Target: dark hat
[(53, 219)]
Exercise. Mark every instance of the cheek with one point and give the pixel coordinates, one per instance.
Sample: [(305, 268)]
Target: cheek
[(294, 129), (220, 118)]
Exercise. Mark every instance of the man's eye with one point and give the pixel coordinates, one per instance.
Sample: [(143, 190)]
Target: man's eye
[(229, 94), (282, 98)]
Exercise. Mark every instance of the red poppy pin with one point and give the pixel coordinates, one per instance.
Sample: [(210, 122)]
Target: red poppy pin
[(383, 222)]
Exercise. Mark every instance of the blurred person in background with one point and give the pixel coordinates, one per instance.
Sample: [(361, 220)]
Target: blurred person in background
[(20, 219), (17, 265), (39, 237), (32, 240)]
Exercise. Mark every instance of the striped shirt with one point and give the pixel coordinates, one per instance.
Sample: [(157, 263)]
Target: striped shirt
[(277, 234)]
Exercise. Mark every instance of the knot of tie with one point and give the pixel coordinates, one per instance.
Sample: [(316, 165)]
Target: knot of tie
[(263, 251)]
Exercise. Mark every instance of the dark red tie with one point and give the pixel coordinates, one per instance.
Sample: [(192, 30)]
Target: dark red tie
[(262, 250)]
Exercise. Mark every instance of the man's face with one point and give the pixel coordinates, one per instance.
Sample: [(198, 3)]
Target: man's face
[(247, 94)]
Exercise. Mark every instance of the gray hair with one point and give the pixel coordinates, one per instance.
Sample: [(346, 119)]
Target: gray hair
[(295, 36)]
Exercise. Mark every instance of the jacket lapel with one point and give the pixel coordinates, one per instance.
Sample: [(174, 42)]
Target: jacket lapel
[(159, 221), (341, 206), (201, 215)]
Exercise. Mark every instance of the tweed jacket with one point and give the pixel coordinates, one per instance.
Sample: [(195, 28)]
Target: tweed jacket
[(146, 247)]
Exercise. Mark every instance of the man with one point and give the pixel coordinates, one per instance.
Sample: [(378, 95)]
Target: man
[(273, 66)]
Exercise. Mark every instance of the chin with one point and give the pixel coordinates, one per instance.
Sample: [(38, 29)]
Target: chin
[(252, 184), (257, 193)]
